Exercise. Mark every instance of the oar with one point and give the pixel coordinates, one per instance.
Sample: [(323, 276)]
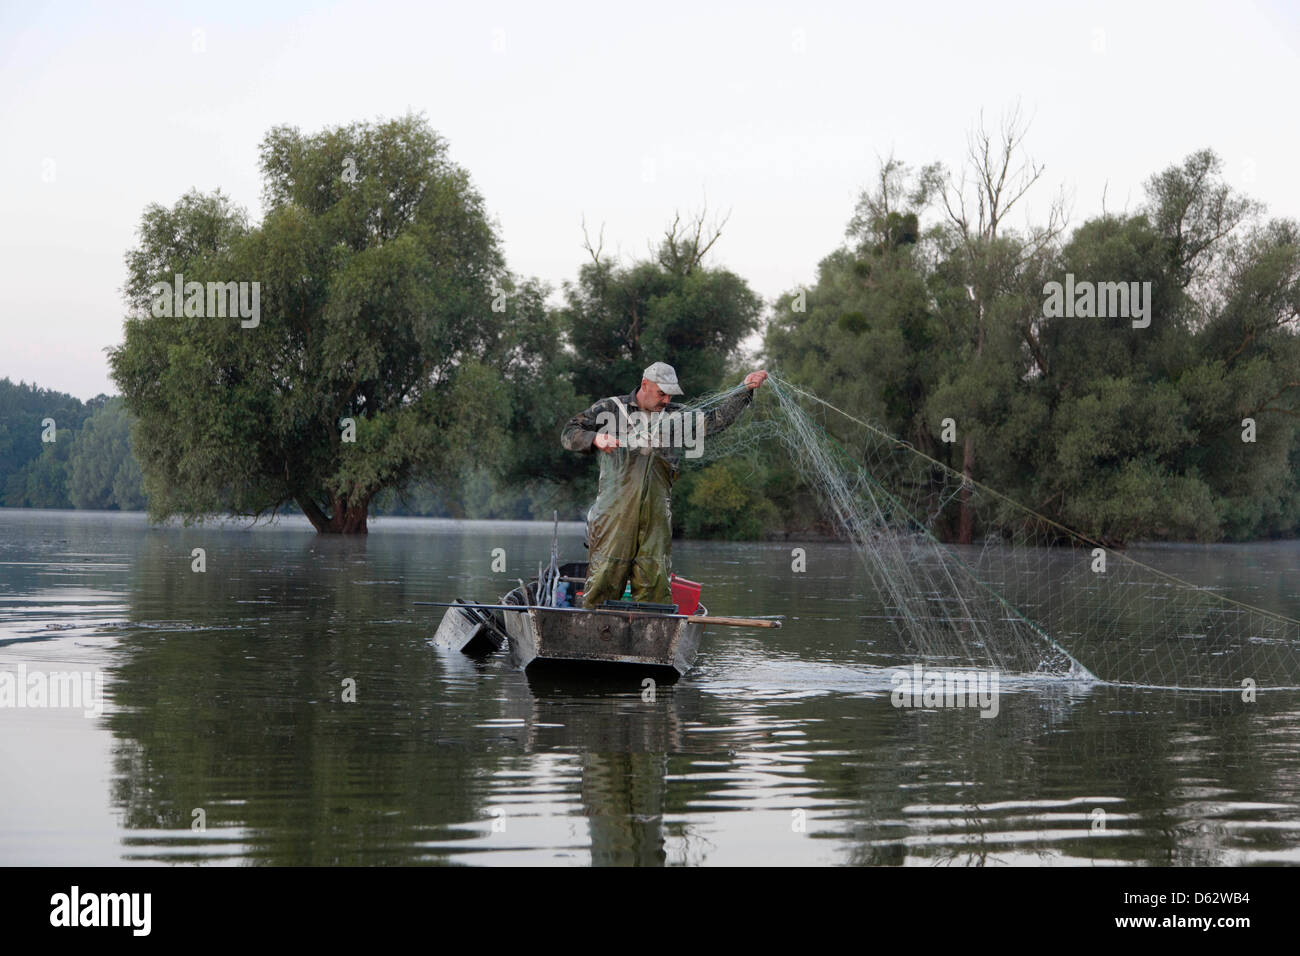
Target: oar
[(693, 618)]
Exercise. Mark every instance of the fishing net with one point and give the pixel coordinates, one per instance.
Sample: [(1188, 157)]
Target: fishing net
[(1029, 596)]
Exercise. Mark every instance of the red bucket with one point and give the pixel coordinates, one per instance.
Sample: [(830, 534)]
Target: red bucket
[(686, 594)]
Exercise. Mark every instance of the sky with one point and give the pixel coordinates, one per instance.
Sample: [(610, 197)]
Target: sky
[(775, 115)]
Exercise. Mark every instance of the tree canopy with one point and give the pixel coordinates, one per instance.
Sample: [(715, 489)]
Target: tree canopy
[(396, 364), (370, 364), (1188, 427)]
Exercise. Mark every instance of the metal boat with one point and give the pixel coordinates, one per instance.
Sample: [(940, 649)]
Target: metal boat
[(655, 644)]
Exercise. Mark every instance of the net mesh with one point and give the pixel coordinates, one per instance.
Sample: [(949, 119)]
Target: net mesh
[(1029, 596)]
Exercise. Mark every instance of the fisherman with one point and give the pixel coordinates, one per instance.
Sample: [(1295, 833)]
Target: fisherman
[(629, 528)]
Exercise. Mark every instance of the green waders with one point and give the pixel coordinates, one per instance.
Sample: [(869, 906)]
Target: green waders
[(629, 528)]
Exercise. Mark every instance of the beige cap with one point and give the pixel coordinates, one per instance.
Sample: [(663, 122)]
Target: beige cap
[(665, 376)]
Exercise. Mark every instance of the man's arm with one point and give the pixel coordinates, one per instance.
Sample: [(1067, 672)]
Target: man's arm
[(726, 413), (581, 430)]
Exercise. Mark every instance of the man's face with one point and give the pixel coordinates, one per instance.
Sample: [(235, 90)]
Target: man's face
[(652, 398)]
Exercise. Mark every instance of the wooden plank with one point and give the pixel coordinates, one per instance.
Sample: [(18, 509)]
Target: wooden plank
[(725, 621)]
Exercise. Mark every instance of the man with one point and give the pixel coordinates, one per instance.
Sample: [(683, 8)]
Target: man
[(629, 528)]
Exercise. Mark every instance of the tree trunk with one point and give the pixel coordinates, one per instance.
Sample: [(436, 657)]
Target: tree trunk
[(347, 518), (966, 523), (317, 517)]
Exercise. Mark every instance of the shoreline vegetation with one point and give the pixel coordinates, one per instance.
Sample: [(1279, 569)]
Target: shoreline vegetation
[(779, 536), (774, 536), (1135, 377), (543, 524)]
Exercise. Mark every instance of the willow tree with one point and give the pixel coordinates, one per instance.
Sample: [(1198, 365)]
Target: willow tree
[(380, 297)]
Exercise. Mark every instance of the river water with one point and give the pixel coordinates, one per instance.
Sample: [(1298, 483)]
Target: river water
[(223, 735)]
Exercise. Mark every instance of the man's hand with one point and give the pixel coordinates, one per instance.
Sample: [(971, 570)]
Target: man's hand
[(604, 442), (755, 379)]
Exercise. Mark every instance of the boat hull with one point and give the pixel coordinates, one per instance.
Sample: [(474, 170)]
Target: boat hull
[(543, 638)]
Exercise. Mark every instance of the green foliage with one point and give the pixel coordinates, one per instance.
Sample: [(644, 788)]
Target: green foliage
[(43, 482), (620, 319), (1118, 431), (538, 373), (29, 468), (377, 268), (102, 470), (722, 501), (385, 300)]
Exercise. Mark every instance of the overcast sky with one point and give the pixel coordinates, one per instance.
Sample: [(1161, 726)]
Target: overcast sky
[(775, 112)]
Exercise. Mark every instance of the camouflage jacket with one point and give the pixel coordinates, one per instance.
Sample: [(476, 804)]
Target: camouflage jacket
[(667, 436)]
